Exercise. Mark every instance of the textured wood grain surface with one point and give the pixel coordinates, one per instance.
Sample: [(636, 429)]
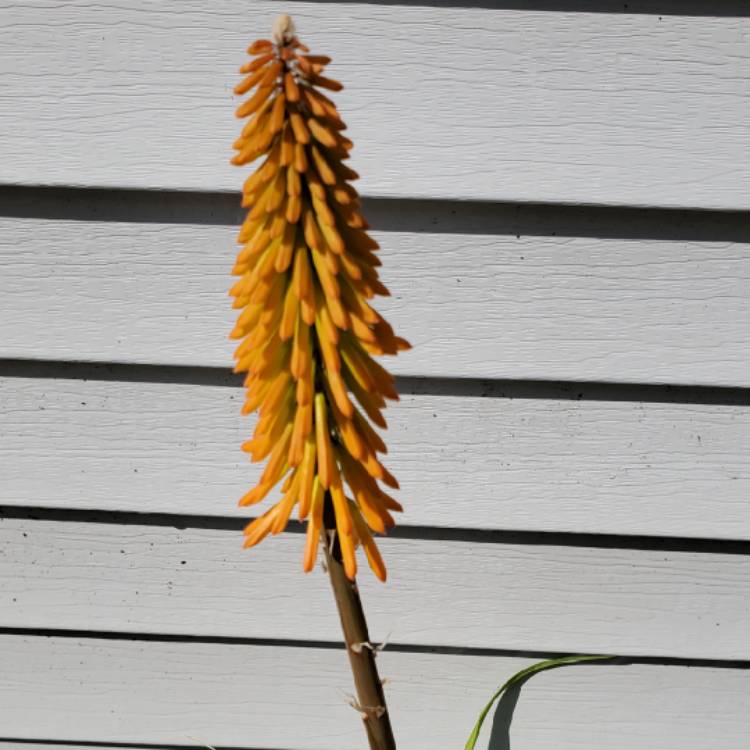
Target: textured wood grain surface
[(483, 306), (491, 103), (195, 642), (455, 593), (274, 697), (617, 467)]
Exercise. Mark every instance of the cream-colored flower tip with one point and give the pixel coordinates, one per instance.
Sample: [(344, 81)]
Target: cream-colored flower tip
[(283, 29)]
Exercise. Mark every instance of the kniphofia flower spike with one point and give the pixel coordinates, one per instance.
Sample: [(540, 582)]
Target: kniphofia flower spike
[(307, 271)]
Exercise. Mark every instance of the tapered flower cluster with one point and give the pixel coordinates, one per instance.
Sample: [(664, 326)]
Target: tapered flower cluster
[(307, 269)]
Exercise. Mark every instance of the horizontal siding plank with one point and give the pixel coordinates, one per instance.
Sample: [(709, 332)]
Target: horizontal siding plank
[(483, 103), (139, 578), (553, 308), (616, 467), (275, 697)]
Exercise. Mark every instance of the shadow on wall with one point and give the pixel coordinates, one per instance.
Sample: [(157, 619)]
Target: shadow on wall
[(503, 717)]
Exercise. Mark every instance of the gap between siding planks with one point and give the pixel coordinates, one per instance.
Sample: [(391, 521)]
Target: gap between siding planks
[(16, 743), (719, 8), (697, 545), (609, 467), (393, 647), (481, 306), (528, 106), (441, 216), (222, 695), (564, 390), (138, 578)]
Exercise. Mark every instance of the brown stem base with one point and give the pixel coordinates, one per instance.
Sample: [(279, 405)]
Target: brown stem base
[(361, 656)]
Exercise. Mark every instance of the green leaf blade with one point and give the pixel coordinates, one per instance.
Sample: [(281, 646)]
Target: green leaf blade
[(541, 666)]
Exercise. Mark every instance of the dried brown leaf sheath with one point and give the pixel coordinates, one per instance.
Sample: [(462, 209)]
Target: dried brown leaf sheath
[(307, 271)]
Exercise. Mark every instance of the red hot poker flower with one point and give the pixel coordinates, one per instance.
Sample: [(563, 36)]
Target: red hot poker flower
[(307, 274)]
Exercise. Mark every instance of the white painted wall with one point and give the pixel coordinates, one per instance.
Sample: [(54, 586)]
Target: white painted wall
[(607, 512)]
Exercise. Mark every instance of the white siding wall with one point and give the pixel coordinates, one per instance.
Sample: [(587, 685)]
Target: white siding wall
[(562, 193)]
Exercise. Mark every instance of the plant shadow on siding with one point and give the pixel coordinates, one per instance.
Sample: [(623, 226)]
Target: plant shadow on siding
[(503, 717)]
